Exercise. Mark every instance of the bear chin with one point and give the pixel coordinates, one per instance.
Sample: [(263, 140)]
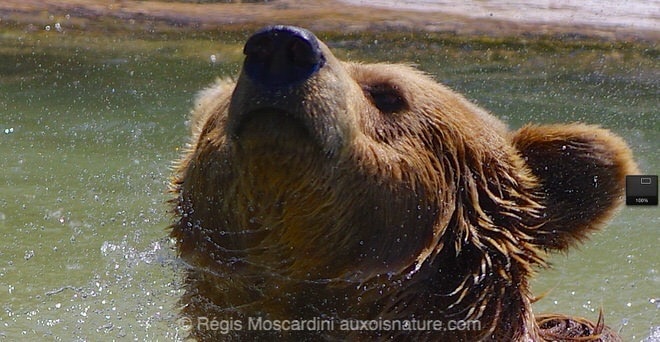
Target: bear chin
[(272, 128)]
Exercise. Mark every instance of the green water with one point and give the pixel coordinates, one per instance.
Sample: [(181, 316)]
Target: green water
[(90, 124)]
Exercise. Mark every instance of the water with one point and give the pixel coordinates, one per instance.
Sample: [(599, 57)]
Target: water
[(89, 125)]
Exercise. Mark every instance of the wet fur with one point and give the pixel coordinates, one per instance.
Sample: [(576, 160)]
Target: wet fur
[(436, 212)]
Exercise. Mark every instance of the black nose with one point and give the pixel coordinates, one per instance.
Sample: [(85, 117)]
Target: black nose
[(282, 55)]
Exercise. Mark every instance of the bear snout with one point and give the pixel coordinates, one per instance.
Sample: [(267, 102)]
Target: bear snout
[(280, 56), (275, 100)]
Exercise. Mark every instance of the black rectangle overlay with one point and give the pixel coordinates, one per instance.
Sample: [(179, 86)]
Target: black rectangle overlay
[(642, 190)]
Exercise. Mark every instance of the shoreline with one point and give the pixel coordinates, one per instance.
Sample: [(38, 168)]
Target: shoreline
[(602, 15), (345, 16)]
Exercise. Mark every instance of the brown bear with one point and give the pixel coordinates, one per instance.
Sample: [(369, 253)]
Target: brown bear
[(331, 200)]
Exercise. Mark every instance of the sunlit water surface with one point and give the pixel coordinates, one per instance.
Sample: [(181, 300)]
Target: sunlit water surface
[(89, 126)]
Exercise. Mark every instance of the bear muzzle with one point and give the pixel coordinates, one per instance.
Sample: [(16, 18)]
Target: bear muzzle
[(280, 56), (276, 97)]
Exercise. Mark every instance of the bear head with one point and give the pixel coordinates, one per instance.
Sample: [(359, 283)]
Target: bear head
[(315, 187)]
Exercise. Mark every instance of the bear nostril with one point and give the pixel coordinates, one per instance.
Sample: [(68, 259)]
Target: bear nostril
[(259, 49), (282, 55)]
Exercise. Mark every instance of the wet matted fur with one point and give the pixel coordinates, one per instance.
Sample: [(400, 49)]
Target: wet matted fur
[(372, 192)]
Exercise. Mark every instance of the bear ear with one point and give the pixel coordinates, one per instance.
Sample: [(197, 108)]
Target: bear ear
[(581, 171)]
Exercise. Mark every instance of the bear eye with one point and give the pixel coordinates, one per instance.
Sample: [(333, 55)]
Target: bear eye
[(387, 98)]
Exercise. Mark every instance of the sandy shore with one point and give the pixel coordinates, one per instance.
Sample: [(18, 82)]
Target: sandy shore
[(615, 15), (494, 18)]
